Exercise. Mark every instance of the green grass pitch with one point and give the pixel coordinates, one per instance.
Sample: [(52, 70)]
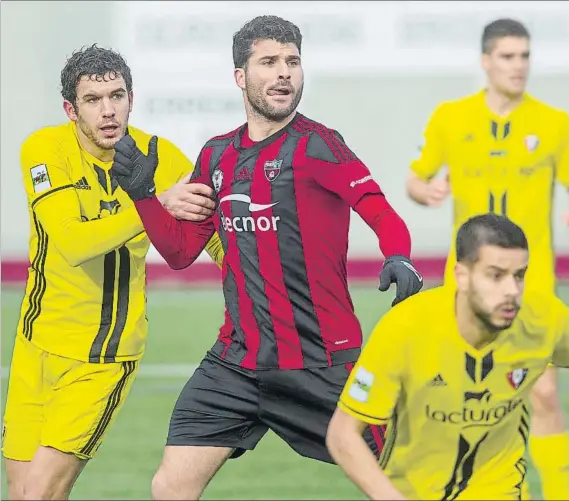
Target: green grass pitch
[(183, 325)]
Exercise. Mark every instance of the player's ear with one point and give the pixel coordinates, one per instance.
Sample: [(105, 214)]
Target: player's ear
[(239, 75), (69, 110), (130, 101), (485, 62), (461, 275)]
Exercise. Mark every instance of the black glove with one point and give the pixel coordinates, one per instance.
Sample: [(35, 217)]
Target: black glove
[(400, 270), (133, 171)]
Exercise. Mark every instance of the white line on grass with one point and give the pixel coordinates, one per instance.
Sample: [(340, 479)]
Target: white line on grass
[(151, 371)]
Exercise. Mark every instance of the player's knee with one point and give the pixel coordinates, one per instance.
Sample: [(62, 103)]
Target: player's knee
[(165, 486), (52, 474)]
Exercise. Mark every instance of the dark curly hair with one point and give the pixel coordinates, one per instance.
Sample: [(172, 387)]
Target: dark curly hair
[(94, 62), (263, 28)]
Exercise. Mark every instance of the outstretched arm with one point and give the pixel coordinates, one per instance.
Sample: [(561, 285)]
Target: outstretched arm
[(178, 242)]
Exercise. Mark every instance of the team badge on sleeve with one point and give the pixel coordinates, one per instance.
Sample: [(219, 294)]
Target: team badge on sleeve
[(40, 178), (517, 377), (361, 385)]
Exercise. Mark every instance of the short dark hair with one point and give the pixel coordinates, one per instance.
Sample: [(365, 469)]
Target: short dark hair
[(487, 229), (95, 62), (502, 28), (263, 28)]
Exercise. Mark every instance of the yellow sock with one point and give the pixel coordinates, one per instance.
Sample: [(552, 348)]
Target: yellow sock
[(550, 456)]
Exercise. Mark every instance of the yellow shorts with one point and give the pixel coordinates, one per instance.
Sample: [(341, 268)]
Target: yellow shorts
[(61, 403)]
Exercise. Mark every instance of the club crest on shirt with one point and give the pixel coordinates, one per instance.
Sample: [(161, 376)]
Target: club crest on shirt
[(217, 179), (531, 142), (517, 377), (272, 169), (40, 178)]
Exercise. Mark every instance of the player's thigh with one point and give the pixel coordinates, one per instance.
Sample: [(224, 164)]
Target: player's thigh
[(187, 470), (16, 473), (298, 405), (84, 400), (24, 413), (52, 474), (218, 407)]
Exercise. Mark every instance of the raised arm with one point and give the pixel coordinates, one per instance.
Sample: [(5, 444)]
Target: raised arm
[(178, 242)]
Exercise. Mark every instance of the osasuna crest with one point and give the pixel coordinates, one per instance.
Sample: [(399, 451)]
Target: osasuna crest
[(217, 179), (272, 169), (517, 377), (531, 142)]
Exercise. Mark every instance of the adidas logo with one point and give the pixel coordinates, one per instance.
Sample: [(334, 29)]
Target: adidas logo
[(82, 184), (243, 175), (438, 381)]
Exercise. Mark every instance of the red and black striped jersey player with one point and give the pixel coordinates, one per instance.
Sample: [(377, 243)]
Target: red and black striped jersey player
[(284, 186)]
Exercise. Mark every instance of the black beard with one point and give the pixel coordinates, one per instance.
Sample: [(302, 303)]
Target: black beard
[(262, 108)]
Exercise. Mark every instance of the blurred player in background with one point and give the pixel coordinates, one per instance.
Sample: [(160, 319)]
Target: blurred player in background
[(450, 369), (284, 186), (504, 151), (83, 327)]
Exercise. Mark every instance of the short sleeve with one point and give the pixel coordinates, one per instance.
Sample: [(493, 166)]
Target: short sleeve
[(372, 390), (431, 150)]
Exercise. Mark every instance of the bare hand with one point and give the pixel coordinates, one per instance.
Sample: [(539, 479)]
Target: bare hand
[(437, 191), (189, 201)]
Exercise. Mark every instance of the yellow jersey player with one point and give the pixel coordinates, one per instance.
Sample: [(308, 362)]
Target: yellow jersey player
[(504, 151), (83, 324), (450, 370)]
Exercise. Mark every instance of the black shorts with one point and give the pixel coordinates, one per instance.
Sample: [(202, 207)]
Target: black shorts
[(223, 405)]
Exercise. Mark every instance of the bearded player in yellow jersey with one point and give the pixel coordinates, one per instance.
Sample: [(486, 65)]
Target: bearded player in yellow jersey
[(450, 371), (83, 326), (504, 151)]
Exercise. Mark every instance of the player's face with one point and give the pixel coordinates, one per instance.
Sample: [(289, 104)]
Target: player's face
[(507, 65), (101, 110), (494, 285), (273, 79)]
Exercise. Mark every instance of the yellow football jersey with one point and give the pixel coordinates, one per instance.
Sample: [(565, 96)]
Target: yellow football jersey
[(458, 421), (506, 165), (85, 297)]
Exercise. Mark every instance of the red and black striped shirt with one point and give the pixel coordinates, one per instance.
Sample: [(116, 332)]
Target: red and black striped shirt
[(283, 213)]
